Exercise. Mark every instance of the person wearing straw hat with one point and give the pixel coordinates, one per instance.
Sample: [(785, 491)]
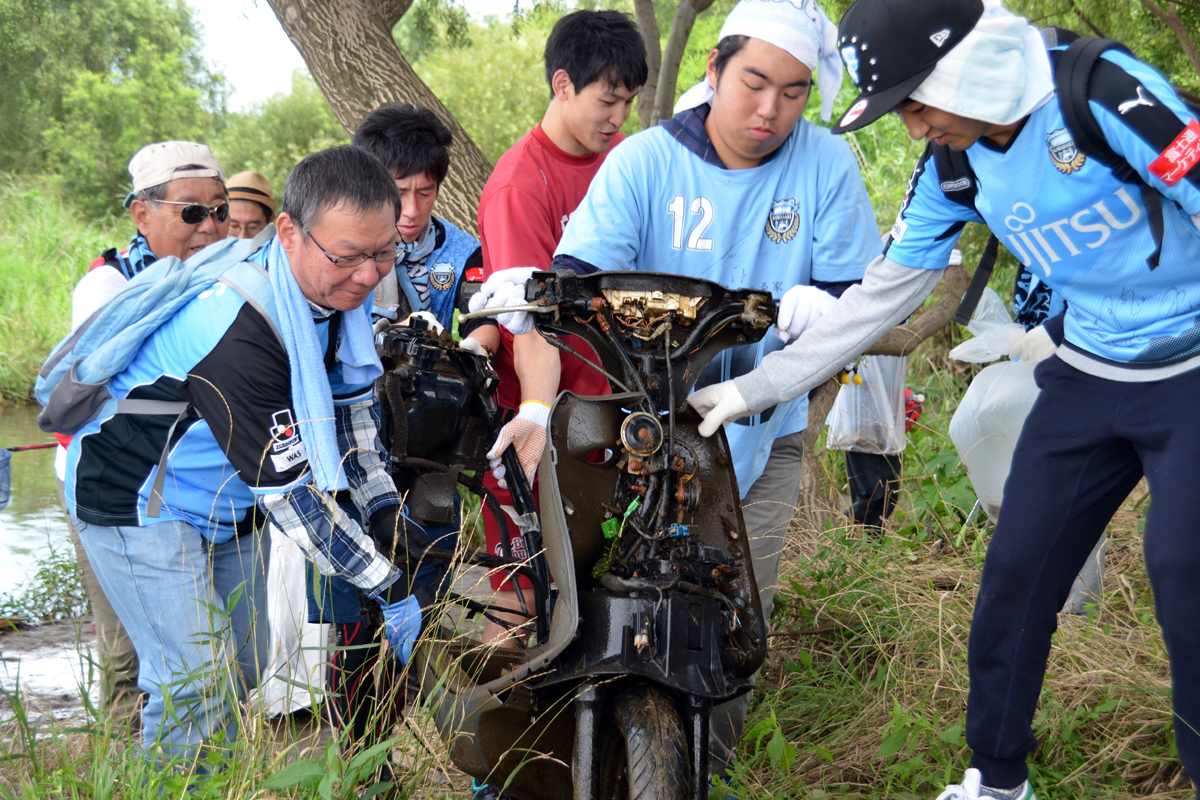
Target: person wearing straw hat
[(738, 188), (177, 205), (1118, 377), (252, 205)]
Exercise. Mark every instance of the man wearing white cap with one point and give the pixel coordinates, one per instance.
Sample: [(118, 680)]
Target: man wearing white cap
[(173, 182), (1089, 176), (737, 188)]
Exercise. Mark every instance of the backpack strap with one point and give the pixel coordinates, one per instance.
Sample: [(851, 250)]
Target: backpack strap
[(1057, 37), (109, 257), (979, 281), (959, 184), (1080, 76), (180, 409), (958, 181)]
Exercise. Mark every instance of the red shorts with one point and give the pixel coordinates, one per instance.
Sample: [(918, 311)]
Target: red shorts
[(491, 533)]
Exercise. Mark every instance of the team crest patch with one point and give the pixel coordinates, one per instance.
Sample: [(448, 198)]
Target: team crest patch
[(1066, 156), (441, 276), (783, 221)]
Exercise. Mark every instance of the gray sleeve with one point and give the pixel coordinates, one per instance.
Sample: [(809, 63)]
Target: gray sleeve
[(864, 313)]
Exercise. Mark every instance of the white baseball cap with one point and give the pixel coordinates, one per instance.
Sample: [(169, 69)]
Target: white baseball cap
[(162, 162)]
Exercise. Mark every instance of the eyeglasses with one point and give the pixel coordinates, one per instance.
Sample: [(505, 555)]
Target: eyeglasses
[(195, 213), (382, 257)]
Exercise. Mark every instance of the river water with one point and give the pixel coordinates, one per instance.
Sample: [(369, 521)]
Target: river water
[(33, 521)]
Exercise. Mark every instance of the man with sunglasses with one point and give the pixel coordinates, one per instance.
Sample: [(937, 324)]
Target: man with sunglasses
[(179, 205), (274, 365)]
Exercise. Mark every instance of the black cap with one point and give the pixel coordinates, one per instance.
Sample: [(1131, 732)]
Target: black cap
[(891, 46)]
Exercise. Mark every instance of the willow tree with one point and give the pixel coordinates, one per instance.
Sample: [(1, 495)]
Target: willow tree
[(657, 97), (349, 50)]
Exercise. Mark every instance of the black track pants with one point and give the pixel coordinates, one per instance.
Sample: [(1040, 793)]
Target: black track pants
[(873, 480), (360, 704), (1085, 445)]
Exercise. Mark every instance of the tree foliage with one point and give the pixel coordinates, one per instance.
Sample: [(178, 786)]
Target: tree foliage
[(107, 117), (57, 51), (496, 88), (273, 135)]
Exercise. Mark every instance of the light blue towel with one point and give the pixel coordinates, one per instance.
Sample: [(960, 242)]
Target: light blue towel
[(312, 398)]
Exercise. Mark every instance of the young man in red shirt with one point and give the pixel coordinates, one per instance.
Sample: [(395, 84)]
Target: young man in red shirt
[(595, 64)]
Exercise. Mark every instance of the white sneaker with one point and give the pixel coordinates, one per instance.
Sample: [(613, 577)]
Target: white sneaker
[(972, 789)]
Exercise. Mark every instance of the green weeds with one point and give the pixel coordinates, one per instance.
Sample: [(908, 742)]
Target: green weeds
[(867, 680), (55, 591), (45, 248)]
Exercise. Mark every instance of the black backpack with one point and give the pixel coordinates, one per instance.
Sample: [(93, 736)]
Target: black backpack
[(1080, 75)]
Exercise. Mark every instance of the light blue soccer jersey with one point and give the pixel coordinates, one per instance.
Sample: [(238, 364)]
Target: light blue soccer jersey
[(1078, 229), (801, 217), (221, 355)]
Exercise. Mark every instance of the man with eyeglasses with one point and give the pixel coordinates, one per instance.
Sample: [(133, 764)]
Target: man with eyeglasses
[(179, 205), (281, 416)]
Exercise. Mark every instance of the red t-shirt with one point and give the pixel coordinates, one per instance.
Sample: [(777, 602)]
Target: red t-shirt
[(525, 205)]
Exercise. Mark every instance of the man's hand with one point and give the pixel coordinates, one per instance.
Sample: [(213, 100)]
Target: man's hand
[(1036, 345), (719, 404), (527, 433), (799, 308), (506, 288), (402, 624)]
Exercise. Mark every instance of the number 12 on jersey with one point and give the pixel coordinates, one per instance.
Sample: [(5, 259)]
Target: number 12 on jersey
[(696, 239)]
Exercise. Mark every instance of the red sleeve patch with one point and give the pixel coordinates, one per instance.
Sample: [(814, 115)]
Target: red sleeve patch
[(1179, 158), (99, 262), (473, 275)]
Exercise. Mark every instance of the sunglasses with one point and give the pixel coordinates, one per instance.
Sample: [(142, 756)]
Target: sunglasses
[(195, 213)]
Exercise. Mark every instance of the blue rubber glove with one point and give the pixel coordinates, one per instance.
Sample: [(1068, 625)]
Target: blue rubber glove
[(402, 623)]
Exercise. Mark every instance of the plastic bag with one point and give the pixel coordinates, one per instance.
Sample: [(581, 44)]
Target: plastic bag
[(987, 424), (994, 331), (869, 417)]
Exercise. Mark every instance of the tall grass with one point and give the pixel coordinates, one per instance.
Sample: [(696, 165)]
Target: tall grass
[(45, 248), (865, 691)]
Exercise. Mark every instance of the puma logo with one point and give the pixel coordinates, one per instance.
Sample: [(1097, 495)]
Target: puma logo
[(1140, 100)]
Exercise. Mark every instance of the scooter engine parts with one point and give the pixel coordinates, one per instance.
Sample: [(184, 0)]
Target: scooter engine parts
[(641, 434)]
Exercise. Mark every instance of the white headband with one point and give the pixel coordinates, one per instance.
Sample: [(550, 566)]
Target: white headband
[(798, 27)]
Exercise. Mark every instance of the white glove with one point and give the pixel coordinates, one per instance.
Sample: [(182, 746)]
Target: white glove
[(527, 433), (1033, 346), (719, 404), (518, 322), (799, 308), (434, 325), (473, 345), (506, 277)]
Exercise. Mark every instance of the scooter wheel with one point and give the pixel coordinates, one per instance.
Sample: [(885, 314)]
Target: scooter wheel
[(647, 756)]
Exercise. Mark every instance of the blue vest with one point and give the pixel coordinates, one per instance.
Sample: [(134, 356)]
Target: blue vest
[(446, 265)]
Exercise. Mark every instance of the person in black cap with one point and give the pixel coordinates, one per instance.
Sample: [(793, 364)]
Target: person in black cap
[(1103, 206)]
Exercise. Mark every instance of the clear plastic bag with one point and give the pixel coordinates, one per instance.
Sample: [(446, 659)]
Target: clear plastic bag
[(994, 331), (869, 417), (987, 424)]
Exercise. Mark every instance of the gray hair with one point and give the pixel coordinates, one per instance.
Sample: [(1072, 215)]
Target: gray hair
[(153, 194), (344, 175)]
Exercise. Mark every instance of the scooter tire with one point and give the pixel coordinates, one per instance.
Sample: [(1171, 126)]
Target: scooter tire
[(655, 748)]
